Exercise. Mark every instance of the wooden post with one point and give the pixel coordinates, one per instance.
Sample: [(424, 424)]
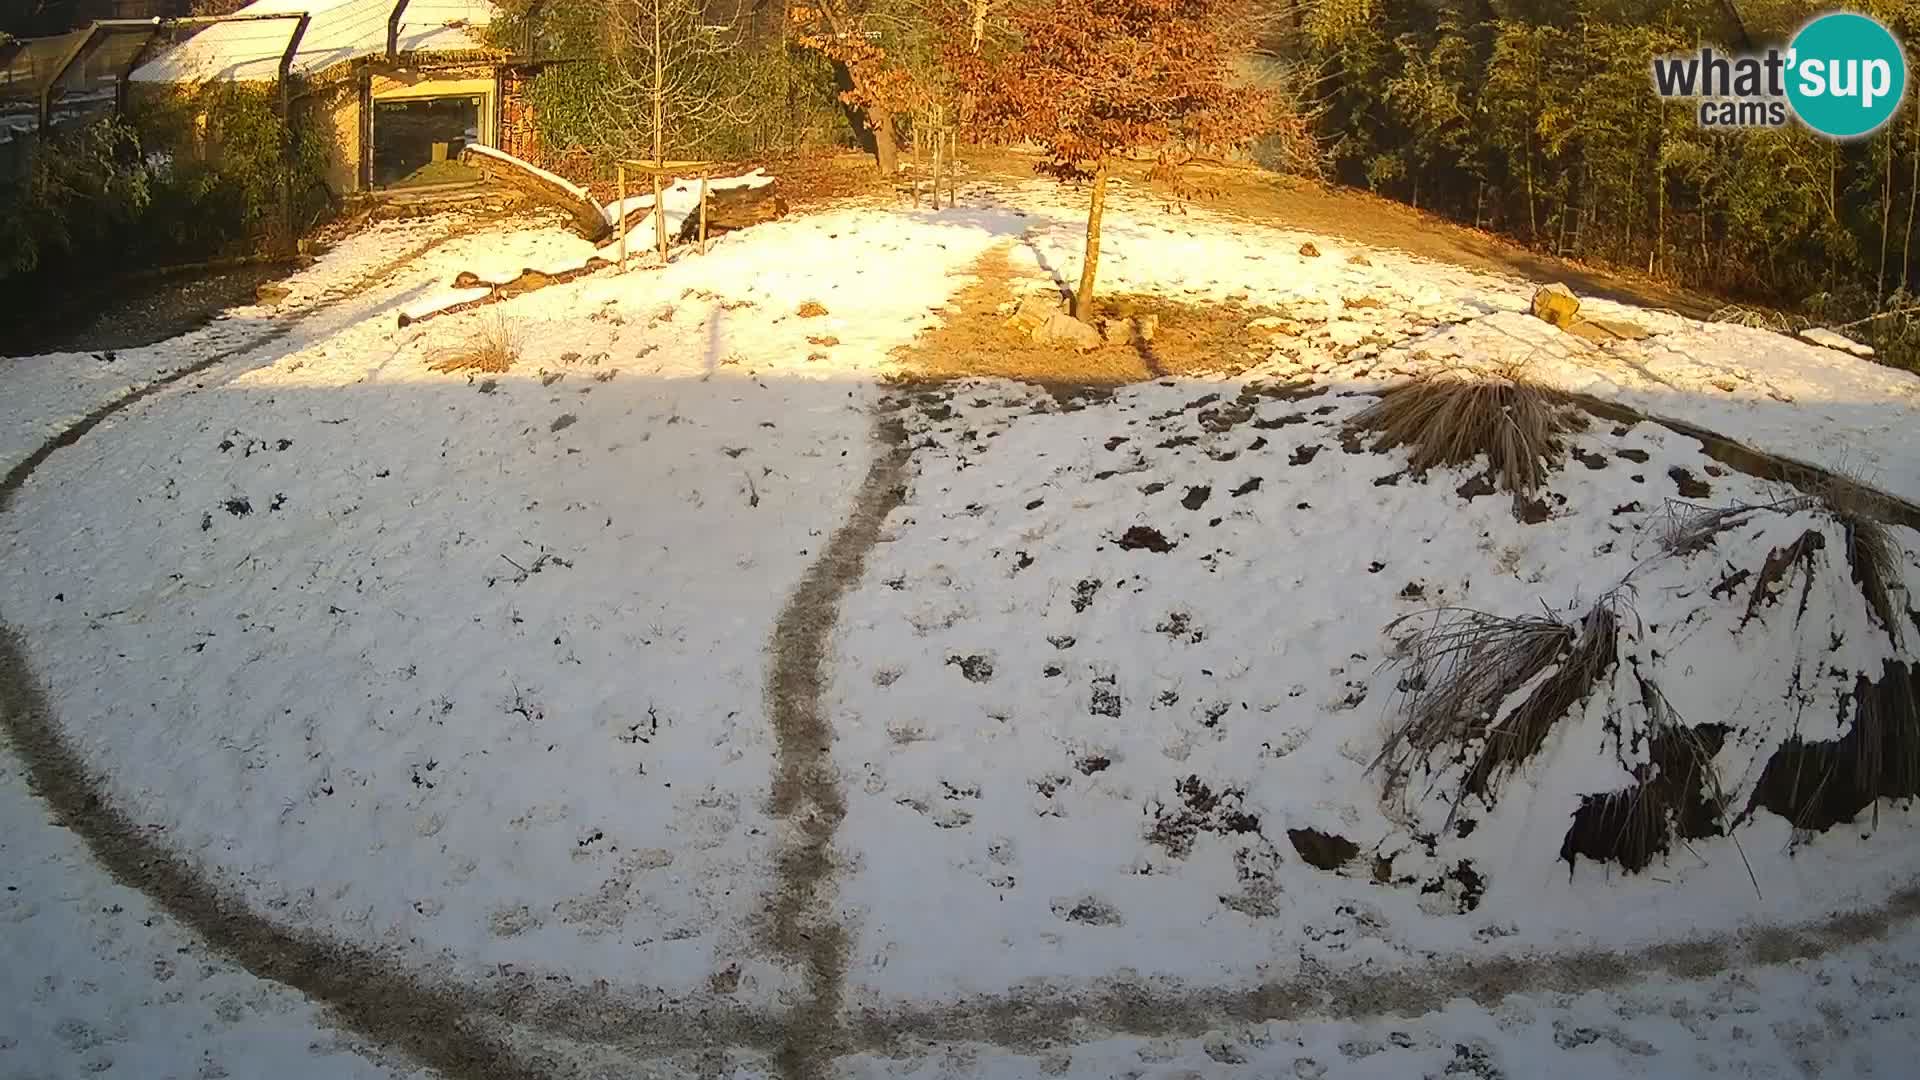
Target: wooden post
[(660, 217), (939, 148), (953, 169), (620, 219), (703, 215)]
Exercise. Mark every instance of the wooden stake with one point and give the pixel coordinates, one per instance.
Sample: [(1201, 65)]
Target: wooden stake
[(620, 221), (703, 215), (660, 218), (939, 149)]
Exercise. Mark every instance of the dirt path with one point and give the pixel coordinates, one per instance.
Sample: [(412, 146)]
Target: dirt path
[(806, 786)]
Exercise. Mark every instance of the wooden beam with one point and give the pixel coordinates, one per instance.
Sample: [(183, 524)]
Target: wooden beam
[(89, 40), (286, 65), (393, 29), (665, 167), (286, 123)]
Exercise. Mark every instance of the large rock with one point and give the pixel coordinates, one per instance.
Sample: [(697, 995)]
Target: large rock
[(1556, 304), (1128, 329), (1820, 335), (1032, 313), (1064, 329), (1605, 330)]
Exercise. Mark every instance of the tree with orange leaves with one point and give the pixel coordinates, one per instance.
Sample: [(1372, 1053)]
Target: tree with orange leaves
[(874, 85), (1094, 81)]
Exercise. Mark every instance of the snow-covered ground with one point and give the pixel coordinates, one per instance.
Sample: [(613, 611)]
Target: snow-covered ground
[(471, 670)]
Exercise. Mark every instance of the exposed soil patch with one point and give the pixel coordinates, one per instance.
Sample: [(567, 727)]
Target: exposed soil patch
[(123, 314), (1691, 486), (1323, 850), (1144, 538), (975, 668), (1197, 808), (806, 787), (974, 342)]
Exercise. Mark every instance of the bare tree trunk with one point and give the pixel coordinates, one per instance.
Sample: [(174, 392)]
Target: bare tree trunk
[(1090, 264), (886, 145), (1913, 196), (1533, 223), (659, 94), (1886, 220), (659, 141)]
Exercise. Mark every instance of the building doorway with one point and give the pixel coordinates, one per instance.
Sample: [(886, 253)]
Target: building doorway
[(417, 141)]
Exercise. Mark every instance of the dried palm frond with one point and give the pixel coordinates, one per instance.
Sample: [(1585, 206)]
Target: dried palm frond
[(1872, 551), (1690, 527), (1492, 687)]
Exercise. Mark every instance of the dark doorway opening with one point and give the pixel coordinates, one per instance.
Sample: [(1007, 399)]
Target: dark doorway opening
[(417, 141)]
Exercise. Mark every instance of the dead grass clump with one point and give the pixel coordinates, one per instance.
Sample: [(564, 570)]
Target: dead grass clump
[(1485, 690), (1677, 793), (493, 348), (1816, 785), (1754, 318), (1454, 417)]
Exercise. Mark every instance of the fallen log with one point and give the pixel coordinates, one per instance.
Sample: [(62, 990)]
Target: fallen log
[(734, 208), (588, 219)]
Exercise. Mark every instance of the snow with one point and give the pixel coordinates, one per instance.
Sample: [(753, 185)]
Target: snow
[(1820, 335), (470, 669), (607, 727), (555, 179), (340, 31), (682, 199)]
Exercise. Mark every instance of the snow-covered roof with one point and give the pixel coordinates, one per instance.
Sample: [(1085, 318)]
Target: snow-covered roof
[(340, 30)]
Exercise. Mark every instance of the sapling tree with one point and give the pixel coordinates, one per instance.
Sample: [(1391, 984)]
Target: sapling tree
[(1093, 82)]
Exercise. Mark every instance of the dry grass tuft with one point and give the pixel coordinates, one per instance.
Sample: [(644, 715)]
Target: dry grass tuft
[(1454, 417), (1676, 793), (1491, 687), (493, 348), (1755, 318)]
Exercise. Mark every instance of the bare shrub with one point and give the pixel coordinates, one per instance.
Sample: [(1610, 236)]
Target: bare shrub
[(1453, 417), (493, 347), (1756, 318)]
